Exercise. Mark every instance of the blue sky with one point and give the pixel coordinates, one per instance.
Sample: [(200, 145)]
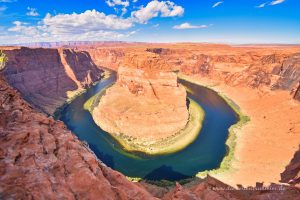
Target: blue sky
[(216, 21)]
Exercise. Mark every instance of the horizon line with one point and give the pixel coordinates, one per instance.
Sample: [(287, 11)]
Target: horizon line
[(144, 42)]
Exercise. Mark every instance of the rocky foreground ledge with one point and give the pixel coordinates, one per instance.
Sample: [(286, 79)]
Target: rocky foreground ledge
[(41, 159), (148, 112)]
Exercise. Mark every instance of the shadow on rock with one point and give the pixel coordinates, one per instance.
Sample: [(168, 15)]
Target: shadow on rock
[(105, 158), (165, 173)]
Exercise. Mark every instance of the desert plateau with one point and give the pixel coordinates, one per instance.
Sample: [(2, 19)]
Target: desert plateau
[(137, 100)]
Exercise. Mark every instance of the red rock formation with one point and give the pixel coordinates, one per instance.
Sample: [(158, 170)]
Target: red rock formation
[(210, 188), (291, 174), (297, 92), (252, 76), (109, 58), (155, 100), (289, 73), (45, 76), (159, 51), (202, 65)]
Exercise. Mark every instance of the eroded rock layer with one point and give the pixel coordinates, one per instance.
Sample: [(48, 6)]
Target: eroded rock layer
[(143, 105), (48, 77)]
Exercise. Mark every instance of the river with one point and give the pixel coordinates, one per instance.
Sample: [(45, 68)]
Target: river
[(205, 153)]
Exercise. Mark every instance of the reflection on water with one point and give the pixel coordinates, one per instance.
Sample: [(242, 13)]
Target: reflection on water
[(205, 153)]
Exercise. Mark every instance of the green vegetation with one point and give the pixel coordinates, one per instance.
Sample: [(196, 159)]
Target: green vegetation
[(170, 144), (232, 132), (165, 183), (92, 102), (88, 105), (134, 179), (72, 95), (3, 60)]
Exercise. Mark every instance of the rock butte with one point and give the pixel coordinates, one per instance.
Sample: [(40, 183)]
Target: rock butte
[(147, 106)]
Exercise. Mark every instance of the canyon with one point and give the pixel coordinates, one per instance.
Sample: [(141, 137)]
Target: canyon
[(50, 162)]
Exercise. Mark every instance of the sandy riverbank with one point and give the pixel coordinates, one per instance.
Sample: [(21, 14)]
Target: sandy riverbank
[(266, 144)]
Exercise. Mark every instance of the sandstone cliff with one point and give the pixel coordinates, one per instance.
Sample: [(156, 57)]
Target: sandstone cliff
[(109, 58), (297, 93), (48, 77), (291, 174), (289, 73)]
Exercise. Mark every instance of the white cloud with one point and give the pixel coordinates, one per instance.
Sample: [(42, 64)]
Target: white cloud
[(189, 26), (32, 12), (157, 8), (112, 3), (90, 20), (3, 8), (276, 2), (272, 3), (261, 5), (24, 28), (40, 33), (217, 4), (90, 36), (89, 25), (116, 3), (124, 10)]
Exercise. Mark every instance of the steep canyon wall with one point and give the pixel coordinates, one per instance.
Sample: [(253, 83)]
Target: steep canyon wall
[(47, 77)]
